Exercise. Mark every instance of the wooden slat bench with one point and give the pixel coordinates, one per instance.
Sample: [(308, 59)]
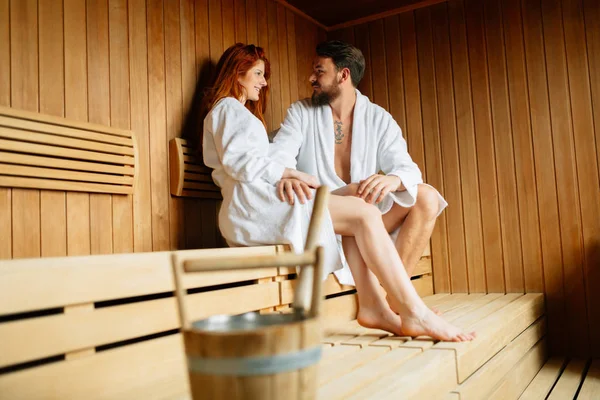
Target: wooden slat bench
[(46, 152)]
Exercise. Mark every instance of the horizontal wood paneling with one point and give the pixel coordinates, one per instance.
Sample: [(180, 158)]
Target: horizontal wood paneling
[(501, 97)]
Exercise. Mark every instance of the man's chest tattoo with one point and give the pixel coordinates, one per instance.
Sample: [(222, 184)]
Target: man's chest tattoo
[(339, 135)]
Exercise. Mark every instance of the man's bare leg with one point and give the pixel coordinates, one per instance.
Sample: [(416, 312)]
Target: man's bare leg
[(417, 226), (353, 217), (373, 309)]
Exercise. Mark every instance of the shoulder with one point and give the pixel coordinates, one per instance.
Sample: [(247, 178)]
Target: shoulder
[(301, 106), (227, 103)]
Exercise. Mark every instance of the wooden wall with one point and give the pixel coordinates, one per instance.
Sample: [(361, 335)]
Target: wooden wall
[(130, 64), (500, 104)]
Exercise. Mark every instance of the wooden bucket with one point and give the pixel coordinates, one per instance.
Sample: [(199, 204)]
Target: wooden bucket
[(257, 356)]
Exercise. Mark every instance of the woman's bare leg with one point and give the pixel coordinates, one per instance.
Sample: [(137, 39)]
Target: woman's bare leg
[(353, 217), (373, 309)]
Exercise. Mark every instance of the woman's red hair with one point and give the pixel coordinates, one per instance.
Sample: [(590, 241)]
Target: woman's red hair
[(234, 63)]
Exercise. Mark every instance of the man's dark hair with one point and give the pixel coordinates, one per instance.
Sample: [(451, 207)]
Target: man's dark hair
[(344, 55)]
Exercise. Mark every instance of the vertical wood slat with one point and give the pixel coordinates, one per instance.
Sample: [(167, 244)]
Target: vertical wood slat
[(523, 147), (566, 175), (545, 173), (157, 125), (585, 153), (138, 78), (76, 95), (412, 91), (5, 194), (591, 18), (25, 95), (486, 162), (292, 55), (467, 149), (284, 65), (377, 44), (505, 167), (99, 112), (53, 217), (240, 22), (362, 41), (263, 41), (449, 145), (395, 78), (431, 136), (228, 23), (174, 107), (276, 67), (251, 22), (122, 212)]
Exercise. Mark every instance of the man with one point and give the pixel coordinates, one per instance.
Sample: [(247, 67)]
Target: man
[(344, 140)]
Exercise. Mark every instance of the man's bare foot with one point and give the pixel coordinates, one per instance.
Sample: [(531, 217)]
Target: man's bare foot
[(429, 324), (384, 319)]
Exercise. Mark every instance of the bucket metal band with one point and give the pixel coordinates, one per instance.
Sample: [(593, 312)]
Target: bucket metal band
[(249, 366)]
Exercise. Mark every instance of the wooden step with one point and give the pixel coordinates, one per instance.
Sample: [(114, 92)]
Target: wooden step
[(591, 385), (544, 381)]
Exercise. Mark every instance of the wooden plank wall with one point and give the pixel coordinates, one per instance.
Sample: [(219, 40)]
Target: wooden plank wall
[(131, 64), (500, 104)]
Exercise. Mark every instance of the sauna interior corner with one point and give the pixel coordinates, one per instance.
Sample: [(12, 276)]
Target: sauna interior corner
[(498, 101)]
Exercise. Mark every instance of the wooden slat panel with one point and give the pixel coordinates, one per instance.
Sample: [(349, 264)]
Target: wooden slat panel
[(240, 21), (18, 170), (197, 177), (154, 368), (543, 382), (362, 41), (263, 41), (292, 55), (522, 374), (486, 160), (251, 22), (276, 83), (566, 176), (17, 134), (469, 178), (449, 146), (507, 188), (37, 123), (395, 80), (377, 44), (424, 285), (284, 61), (545, 174), (496, 331), (433, 156), (347, 363), (492, 372)]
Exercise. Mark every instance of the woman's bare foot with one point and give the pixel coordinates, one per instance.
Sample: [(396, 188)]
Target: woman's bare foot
[(429, 324), (380, 318), (435, 310)]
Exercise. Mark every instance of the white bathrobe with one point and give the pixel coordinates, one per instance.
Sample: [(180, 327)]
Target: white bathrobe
[(236, 146), (306, 141)]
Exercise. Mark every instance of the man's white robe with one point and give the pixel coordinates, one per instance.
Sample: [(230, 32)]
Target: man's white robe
[(306, 142), (236, 147)]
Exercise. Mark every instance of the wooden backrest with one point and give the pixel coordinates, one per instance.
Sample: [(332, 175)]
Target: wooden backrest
[(189, 176), (107, 326), (45, 152)]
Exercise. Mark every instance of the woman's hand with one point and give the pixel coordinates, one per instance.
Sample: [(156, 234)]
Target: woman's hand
[(296, 182)]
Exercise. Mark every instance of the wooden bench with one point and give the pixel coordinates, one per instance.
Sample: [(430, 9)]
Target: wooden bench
[(189, 176), (46, 152)]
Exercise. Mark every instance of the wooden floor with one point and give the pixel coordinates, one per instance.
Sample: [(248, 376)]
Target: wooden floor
[(562, 379), (510, 349)]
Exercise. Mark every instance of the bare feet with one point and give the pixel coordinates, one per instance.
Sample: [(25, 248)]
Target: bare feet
[(380, 318), (435, 310), (429, 324)]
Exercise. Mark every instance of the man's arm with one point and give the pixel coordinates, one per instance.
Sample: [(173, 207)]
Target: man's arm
[(286, 144)]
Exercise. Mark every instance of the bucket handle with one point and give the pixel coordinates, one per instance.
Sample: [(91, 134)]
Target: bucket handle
[(311, 261)]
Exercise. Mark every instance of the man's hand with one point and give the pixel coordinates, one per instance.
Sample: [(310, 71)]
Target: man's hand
[(288, 186), (373, 189)]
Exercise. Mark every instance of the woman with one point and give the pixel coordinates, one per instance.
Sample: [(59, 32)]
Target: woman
[(235, 145)]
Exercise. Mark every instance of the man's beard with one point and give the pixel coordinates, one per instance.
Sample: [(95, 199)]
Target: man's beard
[(326, 97)]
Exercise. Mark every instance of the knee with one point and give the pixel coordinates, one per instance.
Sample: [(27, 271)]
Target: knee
[(427, 201), (368, 214)]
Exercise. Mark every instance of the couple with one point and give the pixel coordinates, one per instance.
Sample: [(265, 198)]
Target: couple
[(339, 139)]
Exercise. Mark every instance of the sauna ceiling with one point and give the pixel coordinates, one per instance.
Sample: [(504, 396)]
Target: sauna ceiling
[(334, 12)]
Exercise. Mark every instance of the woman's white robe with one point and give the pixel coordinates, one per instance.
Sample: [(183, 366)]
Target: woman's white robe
[(306, 141), (236, 146)]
